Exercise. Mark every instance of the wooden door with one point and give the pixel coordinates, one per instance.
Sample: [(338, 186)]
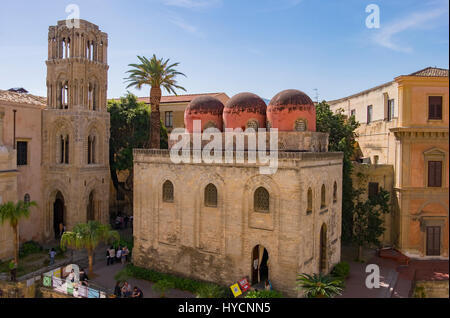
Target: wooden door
[(433, 240)]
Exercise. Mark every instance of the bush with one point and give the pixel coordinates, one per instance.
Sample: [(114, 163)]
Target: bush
[(210, 291), (419, 292), (180, 283), (264, 294), (29, 248), (341, 270), (162, 286)]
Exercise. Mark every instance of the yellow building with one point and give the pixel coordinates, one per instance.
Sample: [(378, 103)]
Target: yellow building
[(404, 124)]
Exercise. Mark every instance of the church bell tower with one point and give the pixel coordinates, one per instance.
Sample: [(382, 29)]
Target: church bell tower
[(76, 127)]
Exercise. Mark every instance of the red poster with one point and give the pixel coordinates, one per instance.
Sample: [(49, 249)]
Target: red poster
[(244, 284)]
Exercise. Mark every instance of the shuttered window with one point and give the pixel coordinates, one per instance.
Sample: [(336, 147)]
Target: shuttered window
[(435, 173), (22, 153), (433, 241), (373, 189), (369, 114), (435, 107)]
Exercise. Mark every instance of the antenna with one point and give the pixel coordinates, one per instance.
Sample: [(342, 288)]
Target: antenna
[(316, 95)]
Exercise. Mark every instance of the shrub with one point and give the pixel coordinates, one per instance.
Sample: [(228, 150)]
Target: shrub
[(162, 286), (264, 294), (29, 248), (419, 292), (341, 270), (193, 286), (210, 291)]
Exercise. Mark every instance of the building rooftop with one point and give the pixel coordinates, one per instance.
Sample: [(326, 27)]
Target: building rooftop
[(426, 72), (180, 98), (22, 98), (431, 72)]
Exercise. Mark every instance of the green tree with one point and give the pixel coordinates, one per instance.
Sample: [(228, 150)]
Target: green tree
[(88, 236), (157, 73), (12, 213), (342, 139), (367, 218), (319, 286), (130, 129)]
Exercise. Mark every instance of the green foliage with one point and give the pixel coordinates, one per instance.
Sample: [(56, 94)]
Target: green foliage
[(319, 286), (368, 223), (88, 236), (180, 283), (154, 73), (130, 128), (28, 248), (342, 139), (12, 213), (211, 291), (163, 285), (264, 294), (341, 270), (419, 292)]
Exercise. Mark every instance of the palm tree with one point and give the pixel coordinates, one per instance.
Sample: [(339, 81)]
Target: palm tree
[(156, 73), (12, 213), (88, 236), (319, 286)]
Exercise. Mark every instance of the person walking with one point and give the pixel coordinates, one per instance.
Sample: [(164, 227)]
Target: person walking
[(118, 290), (112, 255), (13, 270), (119, 255), (52, 254), (123, 256), (127, 254), (108, 258)]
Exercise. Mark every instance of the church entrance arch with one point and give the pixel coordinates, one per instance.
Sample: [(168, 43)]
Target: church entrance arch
[(260, 267), (58, 215)]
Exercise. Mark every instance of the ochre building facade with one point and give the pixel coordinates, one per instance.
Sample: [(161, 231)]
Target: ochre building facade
[(404, 125)]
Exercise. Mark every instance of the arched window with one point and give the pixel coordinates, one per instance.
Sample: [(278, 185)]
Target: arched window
[(261, 200), (168, 191), (310, 203), (335, 192), (211, 195), (300, 125), (26, 198), (323, 197)]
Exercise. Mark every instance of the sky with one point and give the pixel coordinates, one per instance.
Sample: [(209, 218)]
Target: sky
[(321, 47)]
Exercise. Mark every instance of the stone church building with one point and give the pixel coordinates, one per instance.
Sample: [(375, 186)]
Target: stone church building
[(62, 142), (221, 222)]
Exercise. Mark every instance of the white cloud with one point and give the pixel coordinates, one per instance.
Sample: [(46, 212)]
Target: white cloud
[(185, 26), (192, 4), (416, 20)]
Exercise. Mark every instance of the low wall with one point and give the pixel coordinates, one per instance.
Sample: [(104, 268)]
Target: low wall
[(434, 289), (16, 290)]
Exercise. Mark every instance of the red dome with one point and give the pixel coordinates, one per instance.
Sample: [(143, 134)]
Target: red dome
[(207, 109), (245, 110), (292, 110)]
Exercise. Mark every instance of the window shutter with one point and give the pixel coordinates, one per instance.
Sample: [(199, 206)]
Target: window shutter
[(438, 173)]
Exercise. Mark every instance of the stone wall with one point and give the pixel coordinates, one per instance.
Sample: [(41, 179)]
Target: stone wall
[(434, 289)]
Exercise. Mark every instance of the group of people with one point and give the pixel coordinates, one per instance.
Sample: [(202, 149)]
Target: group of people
[(125, 291), (122, 222), (121, 255)]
